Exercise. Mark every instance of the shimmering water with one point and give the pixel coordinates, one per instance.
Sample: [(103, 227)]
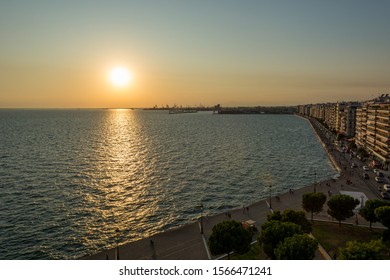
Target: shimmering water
[(73, 182)]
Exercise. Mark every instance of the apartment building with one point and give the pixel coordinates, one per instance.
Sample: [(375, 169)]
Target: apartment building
[(368, 122), (346, 120), (373, 130)]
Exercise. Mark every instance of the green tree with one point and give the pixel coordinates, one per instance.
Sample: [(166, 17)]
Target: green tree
[(368, 211), (383, 215), (297, 247), (274, 232), (355, 250), (297, 217), (313, 202), (341, 207), (229, 236), (289, 215), (274, 216)]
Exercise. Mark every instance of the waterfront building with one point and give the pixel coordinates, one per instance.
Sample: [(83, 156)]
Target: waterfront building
[(330, 117), (347, 119), (373, 128), (361, 126)]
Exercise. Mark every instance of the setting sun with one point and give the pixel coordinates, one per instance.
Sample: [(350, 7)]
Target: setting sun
[(120, 76)]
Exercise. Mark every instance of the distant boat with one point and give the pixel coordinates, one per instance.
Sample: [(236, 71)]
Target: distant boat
[(182, 111)]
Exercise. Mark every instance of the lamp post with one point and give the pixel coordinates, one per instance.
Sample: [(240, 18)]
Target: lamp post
[(315, 181), (201, 218), (270, 195), (117, 241)]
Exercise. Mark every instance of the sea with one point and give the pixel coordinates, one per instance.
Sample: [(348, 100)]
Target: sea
[(76, 182)]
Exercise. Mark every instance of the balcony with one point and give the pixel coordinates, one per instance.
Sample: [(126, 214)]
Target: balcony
[(382, 138), (383, 116), (382, 124), (383, 111), (382, 131), (382, 144), (370, 140), (381, 151), (380, 155)]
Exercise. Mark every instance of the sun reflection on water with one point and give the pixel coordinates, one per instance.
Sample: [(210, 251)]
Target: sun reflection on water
[(120, 195)]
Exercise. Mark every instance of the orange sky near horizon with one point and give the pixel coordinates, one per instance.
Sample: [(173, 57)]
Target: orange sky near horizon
[(249, 53)]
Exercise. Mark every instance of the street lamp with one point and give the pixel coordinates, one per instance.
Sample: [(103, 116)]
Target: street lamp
[(270, 195), (201, 218), (315, 181), (117, 241)]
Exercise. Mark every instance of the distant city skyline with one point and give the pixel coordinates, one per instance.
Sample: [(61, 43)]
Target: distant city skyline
[(59, 54)]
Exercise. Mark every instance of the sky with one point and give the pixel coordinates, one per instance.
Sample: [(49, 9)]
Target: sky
[(58, 54)]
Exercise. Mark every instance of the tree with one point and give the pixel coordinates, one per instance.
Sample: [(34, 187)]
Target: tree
[(341, 207), (313, 202), (367, 212), (355, 250), (289, 215), (297, 247), (229, 236), (274, 216), (274, 232), (383, 215)]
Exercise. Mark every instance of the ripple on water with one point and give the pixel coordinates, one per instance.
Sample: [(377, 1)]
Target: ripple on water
[(75, 182)]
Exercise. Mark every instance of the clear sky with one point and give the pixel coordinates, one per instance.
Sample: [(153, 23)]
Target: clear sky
[(59, 53)]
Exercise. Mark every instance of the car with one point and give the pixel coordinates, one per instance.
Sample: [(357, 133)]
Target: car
[(385, 191), (353, 165), (366, 168), (375, 170), (365, 176), (380, 174), (385, 195), (379, 179), (386, 188)]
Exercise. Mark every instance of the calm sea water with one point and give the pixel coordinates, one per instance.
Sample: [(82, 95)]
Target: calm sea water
[(73, 182)]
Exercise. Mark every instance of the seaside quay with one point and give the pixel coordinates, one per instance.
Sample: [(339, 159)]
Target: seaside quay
[(188, 243)]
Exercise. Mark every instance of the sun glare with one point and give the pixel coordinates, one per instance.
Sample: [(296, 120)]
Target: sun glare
[(120, 76)]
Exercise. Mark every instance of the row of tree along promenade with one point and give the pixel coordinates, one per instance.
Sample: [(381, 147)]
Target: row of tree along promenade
[(191, 242)]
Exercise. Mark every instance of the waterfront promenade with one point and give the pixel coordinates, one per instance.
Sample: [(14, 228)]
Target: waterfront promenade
[(188, 243)]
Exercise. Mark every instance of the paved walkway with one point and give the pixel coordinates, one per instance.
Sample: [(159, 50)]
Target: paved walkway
[(187, 243)]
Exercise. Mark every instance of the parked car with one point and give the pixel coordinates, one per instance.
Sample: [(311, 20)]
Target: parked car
[(385, 195), (375, 170), (353, 165), (366, 168), (379, 179), (365, 176), (380, 174), (385, 192)]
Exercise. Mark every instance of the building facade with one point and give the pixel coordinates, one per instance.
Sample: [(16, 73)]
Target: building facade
[(368, 123)]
